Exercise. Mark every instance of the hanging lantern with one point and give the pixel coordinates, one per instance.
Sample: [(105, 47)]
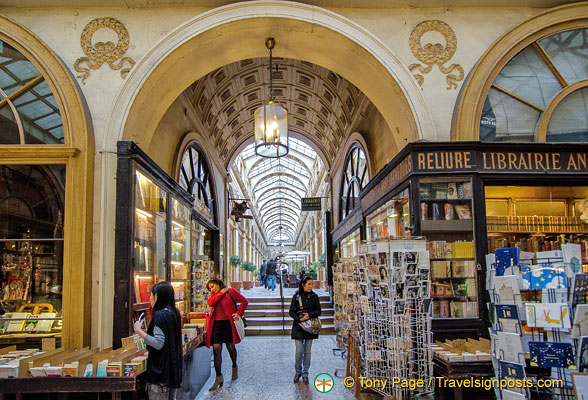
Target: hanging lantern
[(271, 121)]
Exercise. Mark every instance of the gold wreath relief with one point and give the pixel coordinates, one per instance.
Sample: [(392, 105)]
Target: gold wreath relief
[(101, 53), (435, 54)]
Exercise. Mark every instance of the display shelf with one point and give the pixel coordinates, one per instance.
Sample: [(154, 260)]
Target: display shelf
[(453, 258), (454, 225)]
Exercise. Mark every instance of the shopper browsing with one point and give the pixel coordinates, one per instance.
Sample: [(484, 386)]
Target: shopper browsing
[(220, 326), (164, 342), (311, 308)]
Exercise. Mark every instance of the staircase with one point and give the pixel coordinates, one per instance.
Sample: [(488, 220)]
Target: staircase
[(264, 316)]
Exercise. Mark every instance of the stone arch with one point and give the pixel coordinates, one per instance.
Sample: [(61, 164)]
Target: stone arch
[(466, 121), (321, 37)]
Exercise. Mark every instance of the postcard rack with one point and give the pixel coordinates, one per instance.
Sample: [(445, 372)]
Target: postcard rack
[(395, 325), (538, 321)]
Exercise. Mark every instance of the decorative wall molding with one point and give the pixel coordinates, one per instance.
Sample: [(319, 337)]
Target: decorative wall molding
[(435, 53), (100, 53)]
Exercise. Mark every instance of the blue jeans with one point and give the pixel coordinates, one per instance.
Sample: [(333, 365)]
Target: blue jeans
[(271, 282), (302, 363)]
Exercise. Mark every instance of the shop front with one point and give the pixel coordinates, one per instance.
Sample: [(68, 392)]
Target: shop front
[(468, 199), (160, 235)]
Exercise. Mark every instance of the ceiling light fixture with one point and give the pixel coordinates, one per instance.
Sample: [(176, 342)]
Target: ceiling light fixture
[(271, 120)]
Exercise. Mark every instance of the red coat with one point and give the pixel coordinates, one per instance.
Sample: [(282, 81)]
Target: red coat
[(224, 300)]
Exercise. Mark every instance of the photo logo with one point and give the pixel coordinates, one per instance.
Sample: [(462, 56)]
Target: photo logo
[(323, 383)]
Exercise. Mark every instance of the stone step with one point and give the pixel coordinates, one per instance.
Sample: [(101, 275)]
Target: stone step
[(272, 321), (278, 313), (272, 331), (278, 305), (277, 299)]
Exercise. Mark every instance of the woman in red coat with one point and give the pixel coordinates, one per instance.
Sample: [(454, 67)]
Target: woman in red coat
[(220, 326)]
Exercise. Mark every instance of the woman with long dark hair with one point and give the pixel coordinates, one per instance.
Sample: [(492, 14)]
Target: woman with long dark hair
[(164, 342), (220, 326), (305, 305)]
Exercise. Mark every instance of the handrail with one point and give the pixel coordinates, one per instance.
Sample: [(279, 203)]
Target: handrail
[(282, 301)]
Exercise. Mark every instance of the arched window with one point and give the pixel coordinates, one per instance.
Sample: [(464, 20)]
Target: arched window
[(28, 108), (541, 94), (194, 177), (355, 177)]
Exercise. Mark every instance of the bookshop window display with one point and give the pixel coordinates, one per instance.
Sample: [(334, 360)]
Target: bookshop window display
[(536, 218), (155, 219), (31, 251), (390, 219), (448, 225)]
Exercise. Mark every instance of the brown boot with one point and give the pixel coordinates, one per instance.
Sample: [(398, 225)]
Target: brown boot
[(235, 373), (218, 382)]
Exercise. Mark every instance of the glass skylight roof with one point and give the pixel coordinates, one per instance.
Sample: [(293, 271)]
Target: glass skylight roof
[(279, 186)]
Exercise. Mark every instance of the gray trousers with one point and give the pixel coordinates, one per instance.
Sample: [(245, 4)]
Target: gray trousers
[(160, 392)]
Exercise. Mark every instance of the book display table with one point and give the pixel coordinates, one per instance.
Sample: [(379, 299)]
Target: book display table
[(460, 370)]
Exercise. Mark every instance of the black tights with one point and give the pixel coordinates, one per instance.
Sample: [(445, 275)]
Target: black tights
[(218, 356)]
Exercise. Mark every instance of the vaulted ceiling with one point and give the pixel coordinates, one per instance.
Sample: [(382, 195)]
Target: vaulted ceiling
[(323, 107)]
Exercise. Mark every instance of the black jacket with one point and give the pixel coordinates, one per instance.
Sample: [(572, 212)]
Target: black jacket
[(263, 269), (310, 304), (165, 366), (271, 268)]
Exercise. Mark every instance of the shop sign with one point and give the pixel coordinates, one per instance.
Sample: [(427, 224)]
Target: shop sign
[(505, 161), (389, 182), (349, 224), (310, 204), (533, 161)]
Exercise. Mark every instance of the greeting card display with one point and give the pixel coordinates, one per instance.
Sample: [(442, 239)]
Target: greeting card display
[(543, 276), (552, 354), (506, 258), (548, 315)]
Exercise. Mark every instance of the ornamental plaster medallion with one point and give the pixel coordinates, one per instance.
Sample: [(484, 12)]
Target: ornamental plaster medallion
[(100, 53), (435, 54)]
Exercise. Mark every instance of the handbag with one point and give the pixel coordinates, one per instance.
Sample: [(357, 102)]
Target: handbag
[(311, 325), (240, 326), (243, 320)]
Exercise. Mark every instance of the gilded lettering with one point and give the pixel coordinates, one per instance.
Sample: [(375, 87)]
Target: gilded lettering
[(430, 161), (458, 161), (421, 160), (501, 158), (449, 160), (572, 163), (555, 161), (467, 159), (485, 163), (539, 161), (522, 163), (581, 160), (512, 161)]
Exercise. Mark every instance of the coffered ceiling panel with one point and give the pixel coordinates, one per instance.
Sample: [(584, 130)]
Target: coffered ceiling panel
[(322, 106)]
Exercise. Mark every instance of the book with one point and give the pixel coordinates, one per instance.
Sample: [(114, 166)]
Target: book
[(18, 325), (145, 285), (45, 325), (448, 211), (439, 191), (451, 191), (463, 287), (425, 191), (464, 190), (463, 211), (551, 354)]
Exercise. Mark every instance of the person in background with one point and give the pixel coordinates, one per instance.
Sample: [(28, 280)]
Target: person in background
[(164, 342), (220, 325), (271, 274), (301, 275), (262, 274), (311, 308)]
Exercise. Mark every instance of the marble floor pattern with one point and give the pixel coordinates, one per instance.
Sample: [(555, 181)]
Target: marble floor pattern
[(266, 369)]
